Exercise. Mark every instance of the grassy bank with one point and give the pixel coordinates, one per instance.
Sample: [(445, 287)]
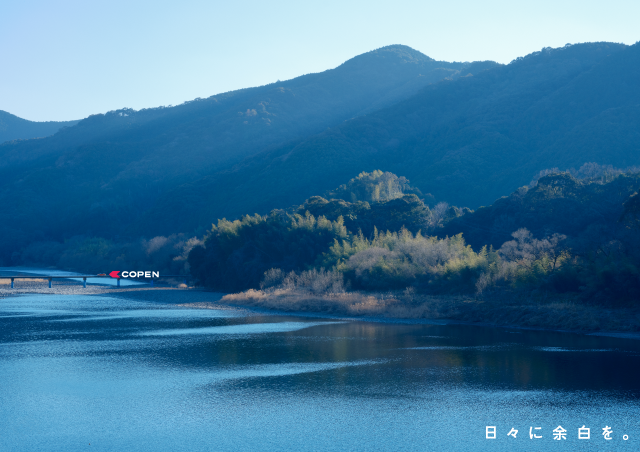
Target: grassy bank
[(533, 311)]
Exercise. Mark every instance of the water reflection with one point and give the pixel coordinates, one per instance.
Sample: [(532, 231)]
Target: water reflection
[(255, 328), (126, 374)]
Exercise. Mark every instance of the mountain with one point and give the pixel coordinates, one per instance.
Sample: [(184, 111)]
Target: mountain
[(559, 203), (466, 133), (466, 141), (206, 134), (14, 128), (100, 175)]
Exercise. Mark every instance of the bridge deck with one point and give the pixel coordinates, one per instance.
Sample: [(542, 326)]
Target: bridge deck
[(84, 278)]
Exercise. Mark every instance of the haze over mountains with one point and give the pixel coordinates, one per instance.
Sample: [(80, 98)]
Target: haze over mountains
[(466, 132), (14, 128), (467, 141), (99, 176)]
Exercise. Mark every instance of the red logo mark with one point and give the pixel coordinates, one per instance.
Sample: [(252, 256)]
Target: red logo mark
[(114, 274)]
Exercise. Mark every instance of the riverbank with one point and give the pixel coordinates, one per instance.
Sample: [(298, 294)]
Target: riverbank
[(538, 312), (558, 313)]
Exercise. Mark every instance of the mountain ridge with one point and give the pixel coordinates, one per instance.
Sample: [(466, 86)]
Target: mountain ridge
[(13, 127), (98, 176), (491, 128)]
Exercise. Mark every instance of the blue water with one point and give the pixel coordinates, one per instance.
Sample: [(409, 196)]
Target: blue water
[(115, 373)]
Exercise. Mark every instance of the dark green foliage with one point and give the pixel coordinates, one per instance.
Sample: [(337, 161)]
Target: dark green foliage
[(612, 280), (571, 236), (379, 200), (598, 216), (407, 211), (565, 237), (559, 203), (376, 186), (236, 254)]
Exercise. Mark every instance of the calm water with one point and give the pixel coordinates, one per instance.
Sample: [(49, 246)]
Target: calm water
[(113, 373)]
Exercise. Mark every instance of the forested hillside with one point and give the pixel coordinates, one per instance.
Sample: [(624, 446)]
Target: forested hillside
[(14, 128), (562, 235), (464, 133), (569, 232), (466, 141), (97, 177), (585, 205)]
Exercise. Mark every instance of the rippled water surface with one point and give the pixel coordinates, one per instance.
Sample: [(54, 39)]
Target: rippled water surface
[(113, 373)]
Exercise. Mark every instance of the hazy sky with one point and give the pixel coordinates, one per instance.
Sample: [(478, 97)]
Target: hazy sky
[(64, 60)]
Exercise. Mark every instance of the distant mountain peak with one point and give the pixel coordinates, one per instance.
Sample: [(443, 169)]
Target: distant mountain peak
[(403, 51), (396, 53)]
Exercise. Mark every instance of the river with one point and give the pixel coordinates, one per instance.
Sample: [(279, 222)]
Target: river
[(119, 373)]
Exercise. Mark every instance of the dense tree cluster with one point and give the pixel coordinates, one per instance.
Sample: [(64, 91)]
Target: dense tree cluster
[(376, 186), (396, 260), (561, 234), (558, 203), (384, 201), (236, 254)]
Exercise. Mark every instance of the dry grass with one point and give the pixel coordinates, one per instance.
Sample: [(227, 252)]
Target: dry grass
[(558, 313), (394, 305)]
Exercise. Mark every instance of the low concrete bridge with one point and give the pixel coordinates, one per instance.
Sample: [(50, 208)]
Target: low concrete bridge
[(84, 278)]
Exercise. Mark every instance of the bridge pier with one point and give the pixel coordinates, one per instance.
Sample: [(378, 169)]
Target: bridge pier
[(50, 282), (84, 282), (12, 283)]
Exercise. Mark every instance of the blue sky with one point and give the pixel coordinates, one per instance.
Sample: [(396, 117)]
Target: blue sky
[(66, 60)]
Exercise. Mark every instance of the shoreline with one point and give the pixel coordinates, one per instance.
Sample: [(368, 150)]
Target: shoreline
[(562, 315), (404, 321), (386, 308)]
